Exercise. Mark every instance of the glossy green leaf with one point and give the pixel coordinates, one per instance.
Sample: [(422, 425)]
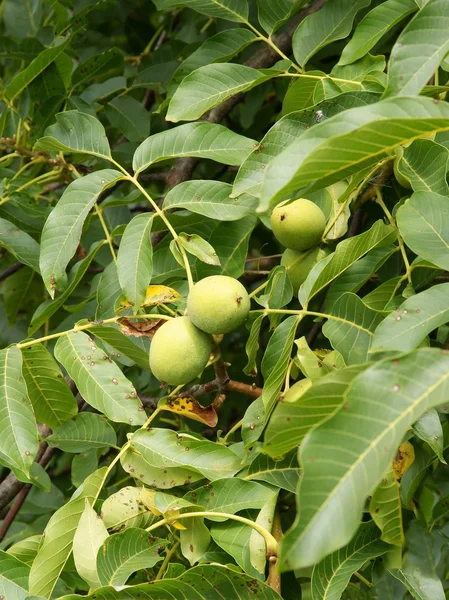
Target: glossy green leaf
[(97, 64), (330, 23), (63, 228), (252, 345), (406, 327), (285, 132), (351, 328), (282, 473), (331, 576), (26, 549), (349, 142), (429, 429), (424, 225), (120, 342), (163, 448), (107, 292), (129, 116), (135, 259), (75, 131), (348, 252), (20, 244), (14, 575), (89, 537), (200, 582), (53, 402), (273, 15), (82, 433), (274, 364), (425, 163), (416, 55), (57, 543), (211, 85), (291, 421), (374, 26), (386, 510), (99, 380), (196, 245), (202, 140), (211, 199), (231, 10), (45, 58), (18, 442), (125, 553), (195, 539), (381, 404)]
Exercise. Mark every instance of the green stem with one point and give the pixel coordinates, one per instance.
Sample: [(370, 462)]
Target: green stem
[(167, 559), (271, 543), (108, 237)]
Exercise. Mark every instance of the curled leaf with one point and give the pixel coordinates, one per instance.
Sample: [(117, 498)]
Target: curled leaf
[(188, 406), (140, 328)]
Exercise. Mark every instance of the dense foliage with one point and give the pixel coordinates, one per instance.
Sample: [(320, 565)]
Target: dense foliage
[(280, 431)]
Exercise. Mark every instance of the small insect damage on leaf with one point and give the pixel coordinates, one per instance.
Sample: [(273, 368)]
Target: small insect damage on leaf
[(140, 328), (403, 459)]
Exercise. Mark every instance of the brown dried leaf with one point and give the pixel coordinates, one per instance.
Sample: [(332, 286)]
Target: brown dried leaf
[(191, 408), (140, 328)]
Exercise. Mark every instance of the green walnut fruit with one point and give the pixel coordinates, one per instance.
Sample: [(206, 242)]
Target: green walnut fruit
[(297, 390), (299, 264), (298, 225), (179, 351), (218, 304)]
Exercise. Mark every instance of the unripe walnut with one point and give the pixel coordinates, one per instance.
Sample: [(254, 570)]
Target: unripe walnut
[(298, 225), (218, 304), (179, 351), (299, 264)]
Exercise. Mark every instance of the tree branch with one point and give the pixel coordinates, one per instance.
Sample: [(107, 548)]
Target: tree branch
[(10, 271)]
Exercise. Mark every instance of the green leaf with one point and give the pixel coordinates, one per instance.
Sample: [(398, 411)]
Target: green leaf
[(195, 539), (406, 327), (211, 85), (429, 429), (53, 402), (75, 131), (351, 330), (112, 336), (57, 542), (416, 55), (381, 296), (220, 47), (424, 224), (279, 290), (283, 473), (14, 575), (231, 10), (63, 228), (89, 537), (274, 365), (285, 132), (26, 549), (349, 142), (45, 58), (291, 421), (252, 346), (425, 163), (202, 140), (98, 378), (273, 15), (381, 404), (386, 509), (196, 245), (97, 64), (419, 573), (82, 433), (200, 582), (331, 576), (20, 244), (230, 496), (153, 476), (107, 292), (211, 199), (135, 259), (125, 553), (18, 442), (332, 22), (49, 307), (163, 448), (129, 116), (19, 292), (309, 90), (125, 509), (348, 252), (374, 26)]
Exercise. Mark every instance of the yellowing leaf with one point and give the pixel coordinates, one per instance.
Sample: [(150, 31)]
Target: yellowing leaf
[(403, 459), (189, 407), (160, 294)]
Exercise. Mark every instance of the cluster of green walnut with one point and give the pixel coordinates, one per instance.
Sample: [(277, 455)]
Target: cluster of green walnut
[(216, 305)]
